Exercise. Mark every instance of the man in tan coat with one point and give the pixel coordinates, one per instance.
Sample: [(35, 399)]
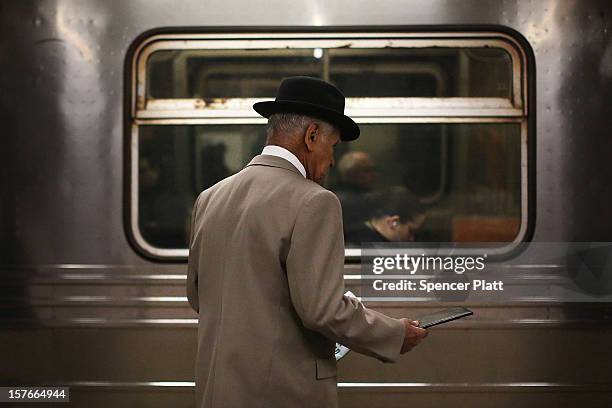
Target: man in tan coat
[(266, 264)]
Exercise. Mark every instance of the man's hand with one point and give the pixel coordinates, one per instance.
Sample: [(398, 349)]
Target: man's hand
[(414, 334)]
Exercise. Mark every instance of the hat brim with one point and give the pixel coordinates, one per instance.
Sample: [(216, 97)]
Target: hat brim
[(349, 130)]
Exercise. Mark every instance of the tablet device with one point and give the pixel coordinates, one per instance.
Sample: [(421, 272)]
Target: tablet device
[(444, 316)]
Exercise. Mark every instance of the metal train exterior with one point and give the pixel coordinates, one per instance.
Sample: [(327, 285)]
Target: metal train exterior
[(87, 303)]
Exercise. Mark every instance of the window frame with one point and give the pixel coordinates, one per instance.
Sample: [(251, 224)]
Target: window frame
[(518, 108)]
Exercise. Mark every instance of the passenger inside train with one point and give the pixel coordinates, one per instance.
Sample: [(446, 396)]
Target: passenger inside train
[(396, 214)]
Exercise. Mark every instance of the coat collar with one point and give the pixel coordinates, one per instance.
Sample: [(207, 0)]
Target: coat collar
[(273, 161)]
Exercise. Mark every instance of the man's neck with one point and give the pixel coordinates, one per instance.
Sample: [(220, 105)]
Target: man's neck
[(378, 225)]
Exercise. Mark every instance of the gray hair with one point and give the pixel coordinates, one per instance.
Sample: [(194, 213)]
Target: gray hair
[(289, 123)]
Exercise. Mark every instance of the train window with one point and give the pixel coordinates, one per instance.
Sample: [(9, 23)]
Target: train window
[(177, 162), (443, 119), (426, 72)]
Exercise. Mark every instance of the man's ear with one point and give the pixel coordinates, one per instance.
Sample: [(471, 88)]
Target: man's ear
[(312, 135), (393, 221)]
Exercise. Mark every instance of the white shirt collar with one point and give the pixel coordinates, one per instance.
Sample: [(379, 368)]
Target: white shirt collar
[(273, 150)]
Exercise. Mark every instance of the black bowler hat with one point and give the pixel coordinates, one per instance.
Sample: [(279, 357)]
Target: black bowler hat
[(313, 97)]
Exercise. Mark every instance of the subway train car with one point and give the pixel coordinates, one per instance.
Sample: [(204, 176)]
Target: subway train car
[(494, 115)]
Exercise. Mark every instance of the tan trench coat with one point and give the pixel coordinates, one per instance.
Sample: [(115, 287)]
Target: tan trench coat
[(265, 274)]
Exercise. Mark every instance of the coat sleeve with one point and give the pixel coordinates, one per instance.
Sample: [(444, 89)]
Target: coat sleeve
[(193, 262), (315, 273)]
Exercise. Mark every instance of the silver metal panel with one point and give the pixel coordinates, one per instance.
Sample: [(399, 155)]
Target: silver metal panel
[(63, 198), (67, 107)]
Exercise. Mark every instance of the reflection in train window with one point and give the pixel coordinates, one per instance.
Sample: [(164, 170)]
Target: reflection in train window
[(176, 163), (426, 72), (462, 177), (443, 150), (465, 176)]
